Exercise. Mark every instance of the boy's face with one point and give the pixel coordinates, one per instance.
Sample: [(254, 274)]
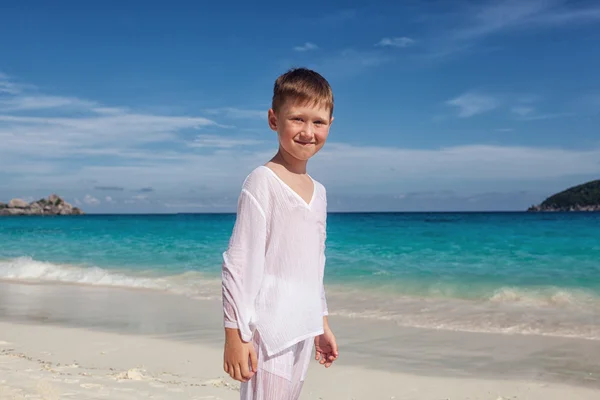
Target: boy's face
[(302, 129)]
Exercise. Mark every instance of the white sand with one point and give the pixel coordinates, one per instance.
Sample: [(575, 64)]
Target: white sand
[(44, 362), (167, 347)]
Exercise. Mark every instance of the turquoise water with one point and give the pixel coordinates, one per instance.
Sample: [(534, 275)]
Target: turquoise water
[(506, 267)]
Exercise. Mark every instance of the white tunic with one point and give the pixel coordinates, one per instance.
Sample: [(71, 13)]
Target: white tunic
[(272, 273)]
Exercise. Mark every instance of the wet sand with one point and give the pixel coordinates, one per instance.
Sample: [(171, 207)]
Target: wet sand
[(83, 342)]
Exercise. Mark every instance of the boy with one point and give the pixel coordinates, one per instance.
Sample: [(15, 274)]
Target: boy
[(273, 296)]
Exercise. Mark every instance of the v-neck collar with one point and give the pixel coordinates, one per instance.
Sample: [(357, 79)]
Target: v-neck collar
[(309, 204)]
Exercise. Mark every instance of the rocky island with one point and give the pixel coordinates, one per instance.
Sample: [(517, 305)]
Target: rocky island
[(53, 205), (585, 197)]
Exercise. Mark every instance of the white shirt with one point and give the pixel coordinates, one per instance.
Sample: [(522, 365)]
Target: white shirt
[(272, 273)]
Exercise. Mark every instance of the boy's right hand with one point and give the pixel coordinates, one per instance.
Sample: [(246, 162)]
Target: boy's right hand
[(237, 354)]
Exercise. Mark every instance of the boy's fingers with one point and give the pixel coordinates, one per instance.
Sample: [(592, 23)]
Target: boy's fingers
[(253, 360), (329, 360), (237, 374), (245, 371)]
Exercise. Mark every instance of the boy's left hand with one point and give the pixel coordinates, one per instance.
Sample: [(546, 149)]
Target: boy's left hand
[(326, 349)]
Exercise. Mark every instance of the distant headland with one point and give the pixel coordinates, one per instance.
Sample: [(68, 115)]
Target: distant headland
[(53, 205), (585, 197)]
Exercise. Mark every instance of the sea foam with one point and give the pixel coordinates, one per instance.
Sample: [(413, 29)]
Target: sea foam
[(26, 269), (548, 311)]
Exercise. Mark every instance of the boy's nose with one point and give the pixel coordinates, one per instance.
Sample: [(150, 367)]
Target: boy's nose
[(307, 130), (306, 135)]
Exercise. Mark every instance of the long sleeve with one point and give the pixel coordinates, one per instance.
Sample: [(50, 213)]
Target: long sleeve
[(324, 301), (323, 258), (323, 296), (243, 266)]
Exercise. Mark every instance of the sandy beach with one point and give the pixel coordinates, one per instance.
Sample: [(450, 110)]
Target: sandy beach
[(81, 342)]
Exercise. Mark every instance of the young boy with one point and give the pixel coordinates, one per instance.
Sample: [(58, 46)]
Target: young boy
[(273, 296)]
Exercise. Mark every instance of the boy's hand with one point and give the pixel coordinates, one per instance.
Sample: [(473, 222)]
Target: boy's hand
[(237, 353), (326, 349)]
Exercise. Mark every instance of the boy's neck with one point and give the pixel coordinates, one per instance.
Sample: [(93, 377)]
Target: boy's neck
[(290, 163)]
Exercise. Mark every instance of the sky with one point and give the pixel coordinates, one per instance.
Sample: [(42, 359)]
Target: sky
[(160, 107)]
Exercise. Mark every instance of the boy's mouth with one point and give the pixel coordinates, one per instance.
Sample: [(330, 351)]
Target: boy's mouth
[(303, 143)]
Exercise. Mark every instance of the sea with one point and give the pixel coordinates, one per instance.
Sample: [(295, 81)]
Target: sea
[(506, 273)]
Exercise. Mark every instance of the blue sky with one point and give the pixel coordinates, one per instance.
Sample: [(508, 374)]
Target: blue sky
[(161, 107)]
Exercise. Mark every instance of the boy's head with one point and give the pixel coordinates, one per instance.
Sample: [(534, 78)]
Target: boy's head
[(301, 112), (302, 86)]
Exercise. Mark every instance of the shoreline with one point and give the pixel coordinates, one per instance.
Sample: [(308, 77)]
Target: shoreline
[(548, 311), (168, 323), (93, 365)]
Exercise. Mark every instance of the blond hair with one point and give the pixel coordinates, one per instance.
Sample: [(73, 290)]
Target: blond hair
[(304, 86)]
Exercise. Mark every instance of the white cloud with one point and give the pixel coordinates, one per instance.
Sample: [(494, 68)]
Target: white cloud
[(139, 200), (393, 166), (39, 102), (222, 142), (102, 134), (188, 205), (568, 16), (108, 110), (523, 111), (546, 116), (470, 104), (306, 47), (396, 42), (68, 155), (497, 16), (479, 20), (349, 62), (109, 199), (82, 128), (7, 86), (342, 166), (91, 200), (238, 113)]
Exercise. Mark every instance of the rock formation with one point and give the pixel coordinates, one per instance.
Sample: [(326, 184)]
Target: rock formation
[(53, 205), (585, 197)]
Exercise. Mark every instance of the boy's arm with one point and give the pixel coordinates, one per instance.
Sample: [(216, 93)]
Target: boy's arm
[(243, 266)]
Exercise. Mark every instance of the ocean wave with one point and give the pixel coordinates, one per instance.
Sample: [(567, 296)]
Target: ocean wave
[(545, 296), (481, 324), (26, 269), (544, 311), (549, 311)]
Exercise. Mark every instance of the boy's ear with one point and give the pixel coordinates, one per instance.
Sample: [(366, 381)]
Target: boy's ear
[(272, 119)]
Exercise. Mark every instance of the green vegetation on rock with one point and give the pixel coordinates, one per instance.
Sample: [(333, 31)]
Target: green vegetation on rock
[(585, 197)]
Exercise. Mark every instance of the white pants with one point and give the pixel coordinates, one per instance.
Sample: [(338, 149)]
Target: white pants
[(280, 376)]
